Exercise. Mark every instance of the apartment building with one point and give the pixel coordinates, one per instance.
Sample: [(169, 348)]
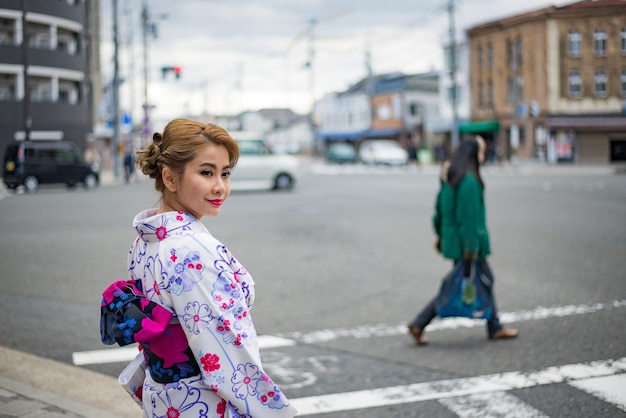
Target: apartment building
[(551, 83), (48, 59)]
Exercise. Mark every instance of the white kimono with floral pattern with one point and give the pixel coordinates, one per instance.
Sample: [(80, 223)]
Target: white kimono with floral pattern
[(193, 275)]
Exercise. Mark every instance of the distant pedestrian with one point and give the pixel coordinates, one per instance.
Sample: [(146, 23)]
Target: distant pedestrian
[(92, 156), (206, 362), (129, 166), (461, 227)]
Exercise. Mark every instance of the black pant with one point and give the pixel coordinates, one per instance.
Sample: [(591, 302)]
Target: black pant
[(429, 311)]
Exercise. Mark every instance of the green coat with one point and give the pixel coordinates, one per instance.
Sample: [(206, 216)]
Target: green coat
[(460, 220)]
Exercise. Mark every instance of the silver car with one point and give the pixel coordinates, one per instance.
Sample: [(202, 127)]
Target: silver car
[(261, 169), (382, 151)]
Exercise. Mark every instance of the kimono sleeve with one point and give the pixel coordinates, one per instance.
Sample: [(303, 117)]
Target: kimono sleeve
[(209, 292)]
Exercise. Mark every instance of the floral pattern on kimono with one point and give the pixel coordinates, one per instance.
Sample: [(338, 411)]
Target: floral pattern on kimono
[(195, 277)]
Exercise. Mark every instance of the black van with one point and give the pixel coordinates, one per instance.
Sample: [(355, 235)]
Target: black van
[(31, 163)]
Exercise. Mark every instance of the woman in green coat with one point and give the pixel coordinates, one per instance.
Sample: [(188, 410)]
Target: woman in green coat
[(461, 227)]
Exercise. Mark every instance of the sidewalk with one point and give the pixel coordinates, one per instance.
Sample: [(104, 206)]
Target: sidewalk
[(533, 168), (32, 386)]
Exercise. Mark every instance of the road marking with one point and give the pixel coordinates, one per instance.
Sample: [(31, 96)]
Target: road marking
[(111, 355), (453, 388), (123, 354), (384, 330), (610, 389), (115, 355), (491, 405)]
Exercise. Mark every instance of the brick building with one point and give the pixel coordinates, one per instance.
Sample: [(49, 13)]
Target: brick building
[(551, 83)]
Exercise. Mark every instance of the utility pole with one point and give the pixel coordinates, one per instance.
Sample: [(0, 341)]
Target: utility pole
[(147, 128), (28, 122), (130, 74), (514, 135), (453, 86), (312, 65), (116, 100), (368, 57), (147, 26)]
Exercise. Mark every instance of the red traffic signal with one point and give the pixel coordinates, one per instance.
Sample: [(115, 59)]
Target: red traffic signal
[(177, 70)]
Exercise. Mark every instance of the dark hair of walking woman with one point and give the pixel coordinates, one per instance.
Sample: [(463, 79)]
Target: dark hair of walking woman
[(466, 158)]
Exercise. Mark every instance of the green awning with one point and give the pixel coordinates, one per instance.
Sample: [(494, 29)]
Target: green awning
[(483, 126)]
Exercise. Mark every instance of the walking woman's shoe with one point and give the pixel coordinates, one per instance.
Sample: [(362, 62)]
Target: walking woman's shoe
[(504, 333), (418, 335)]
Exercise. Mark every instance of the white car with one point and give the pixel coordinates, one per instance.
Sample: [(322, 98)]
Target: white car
[(259, 168), (382, 151)]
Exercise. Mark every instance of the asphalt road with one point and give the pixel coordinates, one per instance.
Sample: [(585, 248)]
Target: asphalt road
[(350, 252)]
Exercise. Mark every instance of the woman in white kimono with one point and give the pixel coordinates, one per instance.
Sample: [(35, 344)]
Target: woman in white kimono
[(206, 363)]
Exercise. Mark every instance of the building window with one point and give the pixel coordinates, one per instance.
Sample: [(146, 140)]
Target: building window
[(7, 87), (490, 55), (514, 54), (599, 42), (574, 84), (622, 41), (490, 94), (68, 92), (481, 99), (479, 57), (622, 82), (574, 41), (599, 83)]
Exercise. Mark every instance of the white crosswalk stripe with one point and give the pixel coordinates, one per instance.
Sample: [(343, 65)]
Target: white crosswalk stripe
[(460, 392), (611, 389), (491, 405), (485, 396)]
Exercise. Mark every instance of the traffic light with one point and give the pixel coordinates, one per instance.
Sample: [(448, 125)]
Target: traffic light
[(177, 70)]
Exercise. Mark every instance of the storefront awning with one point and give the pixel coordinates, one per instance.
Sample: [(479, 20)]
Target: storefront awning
[(383, 133), (590, 123), (339, 136), (478, 127), (358, 135)]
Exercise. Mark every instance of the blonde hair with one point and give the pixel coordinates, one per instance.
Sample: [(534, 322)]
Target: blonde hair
[(178, 146)]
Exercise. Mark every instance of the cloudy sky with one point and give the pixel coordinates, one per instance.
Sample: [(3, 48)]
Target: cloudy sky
[(242, 55)]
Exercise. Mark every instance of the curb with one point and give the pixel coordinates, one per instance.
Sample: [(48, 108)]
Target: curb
[(79, 391)]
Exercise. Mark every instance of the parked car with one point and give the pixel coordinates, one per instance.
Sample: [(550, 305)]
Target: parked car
[(340, 152), (382, 151), (259, 168), (31, 163)]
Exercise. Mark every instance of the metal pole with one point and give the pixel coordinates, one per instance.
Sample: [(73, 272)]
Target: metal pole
[(146, 129), (25, 57), (312, 66), (116, 81), (453, 96)]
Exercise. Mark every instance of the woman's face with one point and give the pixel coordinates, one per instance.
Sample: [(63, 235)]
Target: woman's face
[(204, 185)]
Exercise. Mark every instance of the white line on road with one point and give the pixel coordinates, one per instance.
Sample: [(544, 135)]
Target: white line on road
[(383, 330), (115, 355), (123, 354), (491, 405), (611, 389), (456, 387)]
